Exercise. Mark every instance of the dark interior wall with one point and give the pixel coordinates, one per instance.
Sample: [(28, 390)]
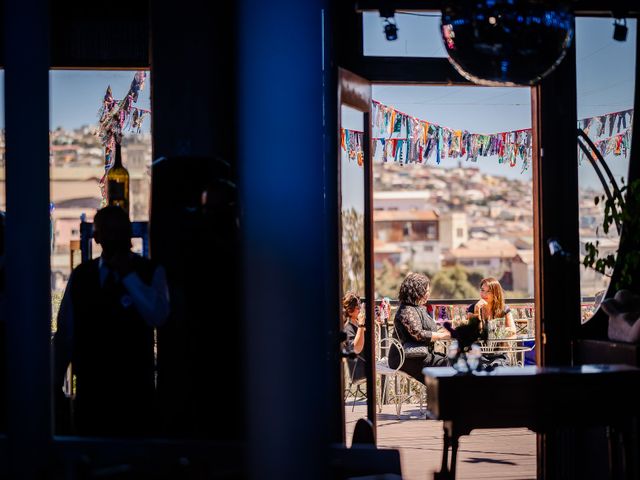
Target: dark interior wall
[(93, 34), (196, 238), (193, 59)]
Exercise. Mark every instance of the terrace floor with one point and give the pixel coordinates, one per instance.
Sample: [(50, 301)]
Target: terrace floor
[(508, 453)]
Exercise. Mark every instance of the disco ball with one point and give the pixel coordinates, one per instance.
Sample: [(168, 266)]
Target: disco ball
[(506, 42)]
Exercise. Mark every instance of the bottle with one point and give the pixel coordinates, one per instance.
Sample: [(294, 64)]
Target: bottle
[(118, 183)]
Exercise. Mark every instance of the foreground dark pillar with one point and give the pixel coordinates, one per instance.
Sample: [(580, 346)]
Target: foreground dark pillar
[(281, 166), (26, 96)]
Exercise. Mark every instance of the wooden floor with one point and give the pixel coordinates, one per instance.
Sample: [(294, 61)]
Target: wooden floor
[(499, 453)]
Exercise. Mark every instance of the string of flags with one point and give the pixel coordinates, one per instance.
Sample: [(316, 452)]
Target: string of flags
[(404, 139), (116, 117), (351, 142), (601, 131)]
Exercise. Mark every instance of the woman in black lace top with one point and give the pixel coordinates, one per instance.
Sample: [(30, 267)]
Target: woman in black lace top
[(416, 330)]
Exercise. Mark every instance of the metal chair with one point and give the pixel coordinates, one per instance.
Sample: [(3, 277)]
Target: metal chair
[(404, 385), (384, 370), (355, 387), (138, 230)]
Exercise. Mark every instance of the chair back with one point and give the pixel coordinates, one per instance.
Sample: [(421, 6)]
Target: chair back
[(138, 230), (384, 348)]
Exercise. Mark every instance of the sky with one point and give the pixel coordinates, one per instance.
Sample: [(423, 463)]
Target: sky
[(76, 95), (605, 79)]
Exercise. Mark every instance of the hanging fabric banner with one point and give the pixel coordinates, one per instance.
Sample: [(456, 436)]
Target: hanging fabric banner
[(404, 139), (116, 117), (351, 143), (426, 141)]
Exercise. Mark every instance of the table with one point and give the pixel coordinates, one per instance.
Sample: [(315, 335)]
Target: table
[(513, 348), (541, 399)]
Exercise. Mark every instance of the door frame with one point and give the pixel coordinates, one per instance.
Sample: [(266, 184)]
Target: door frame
[(355, 91)]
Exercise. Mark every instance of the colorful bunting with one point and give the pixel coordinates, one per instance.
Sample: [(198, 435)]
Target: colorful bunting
[(401, 138), (117, 116)]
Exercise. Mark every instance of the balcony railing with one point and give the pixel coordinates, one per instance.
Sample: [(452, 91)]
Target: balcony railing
[(523, 310)]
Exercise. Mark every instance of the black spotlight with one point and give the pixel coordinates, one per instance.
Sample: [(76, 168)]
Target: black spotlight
[(390, 27), (620, 29), (506, 42)]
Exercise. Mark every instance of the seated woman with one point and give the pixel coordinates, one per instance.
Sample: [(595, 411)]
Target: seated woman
[(354, 327), (491, 306), (416, 330)]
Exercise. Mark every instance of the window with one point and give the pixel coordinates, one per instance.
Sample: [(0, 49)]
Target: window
[(605, 103), (77, 165), (432, 232), (459, 232), (77, 160), (419, 35)]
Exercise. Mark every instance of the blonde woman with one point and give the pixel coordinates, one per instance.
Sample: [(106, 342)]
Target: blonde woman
[(491, 304)]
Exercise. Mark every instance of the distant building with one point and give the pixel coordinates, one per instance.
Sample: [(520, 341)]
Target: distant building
[(401, 200), (389, 252), (524, 242), (64, 154), (414, 232), (522, 270), (490, 257), (591, 282), (453, 230), (137, 159)]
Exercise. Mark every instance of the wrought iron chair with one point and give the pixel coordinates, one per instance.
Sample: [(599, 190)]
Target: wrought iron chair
[(387, 373), (356, 387), (404, 385)]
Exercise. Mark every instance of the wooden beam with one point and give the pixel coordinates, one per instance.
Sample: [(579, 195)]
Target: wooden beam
[(588, 8)]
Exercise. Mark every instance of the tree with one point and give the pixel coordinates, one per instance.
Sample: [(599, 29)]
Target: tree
[(388, 280), (352, 251), (475, 278), (453, 283)]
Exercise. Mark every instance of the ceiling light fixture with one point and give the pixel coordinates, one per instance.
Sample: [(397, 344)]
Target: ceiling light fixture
[(390, 26), (620, 29), (506, 42)]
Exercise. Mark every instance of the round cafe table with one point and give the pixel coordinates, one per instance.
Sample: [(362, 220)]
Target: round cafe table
[(513, 348)]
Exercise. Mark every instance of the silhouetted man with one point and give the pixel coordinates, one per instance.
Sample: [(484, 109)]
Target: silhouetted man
[(105, 329)]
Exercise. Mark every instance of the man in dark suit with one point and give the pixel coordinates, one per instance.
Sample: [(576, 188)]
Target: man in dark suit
[(106, 322)]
